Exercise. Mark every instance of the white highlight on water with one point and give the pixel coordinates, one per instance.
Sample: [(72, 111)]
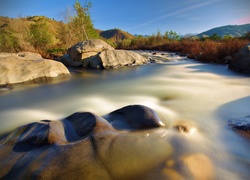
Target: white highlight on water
[(206, 95)]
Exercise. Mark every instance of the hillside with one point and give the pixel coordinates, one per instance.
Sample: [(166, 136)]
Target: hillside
[(8, 24), (232, 30), (115, 35), (23, 33)]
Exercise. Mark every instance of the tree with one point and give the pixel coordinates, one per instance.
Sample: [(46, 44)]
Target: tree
[(215, 37), (79, 26), (171, 35), (41, 37)]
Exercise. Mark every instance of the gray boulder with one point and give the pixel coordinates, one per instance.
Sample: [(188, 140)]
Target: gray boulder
[(67, 61), (26, 66), (110, 59), (241, 60), (85, 49), (98, 54)]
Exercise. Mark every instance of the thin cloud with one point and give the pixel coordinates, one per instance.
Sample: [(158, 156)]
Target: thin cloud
[(176, 13)]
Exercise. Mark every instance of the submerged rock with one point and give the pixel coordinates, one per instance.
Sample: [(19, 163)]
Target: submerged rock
[(24, 67), (83, 145), (241, 125), (129, 143)]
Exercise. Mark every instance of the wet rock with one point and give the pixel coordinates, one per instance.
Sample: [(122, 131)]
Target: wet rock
[(152, 60), (198, 166), (185, 127), (241, 125), (84, 145), (134, 117)]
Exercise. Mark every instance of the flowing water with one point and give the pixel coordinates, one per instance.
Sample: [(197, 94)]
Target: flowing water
[(178, 89)]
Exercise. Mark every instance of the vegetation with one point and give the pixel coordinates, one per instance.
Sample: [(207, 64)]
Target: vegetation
[(51, 38), (46, 36), (212, 49)]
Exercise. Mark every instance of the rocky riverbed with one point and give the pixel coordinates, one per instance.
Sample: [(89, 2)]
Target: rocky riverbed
[(88, 129)]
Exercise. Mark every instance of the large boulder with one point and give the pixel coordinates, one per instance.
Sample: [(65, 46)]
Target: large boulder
[(98, 54), (26, 66), (110, 59), (85, 49), (241, 60), (129, 143), (83, 145)]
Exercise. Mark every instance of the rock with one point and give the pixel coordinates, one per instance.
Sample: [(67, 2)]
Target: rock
[(152, 60), (21, 55), (110, 59), (134, 117), (185, 127), (24, 67), (241, 125), (83, 145), (241, 60), (198, 166), (227, 59), (97, 54), (85, 49), (66, 60)]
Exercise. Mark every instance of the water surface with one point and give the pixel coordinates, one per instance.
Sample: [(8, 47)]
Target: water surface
[(180, 90)]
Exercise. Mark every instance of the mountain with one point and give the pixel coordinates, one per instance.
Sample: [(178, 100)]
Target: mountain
[(231, 30), (115, 35)]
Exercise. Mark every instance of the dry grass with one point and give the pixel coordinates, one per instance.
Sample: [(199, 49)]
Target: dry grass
[(207, 50)]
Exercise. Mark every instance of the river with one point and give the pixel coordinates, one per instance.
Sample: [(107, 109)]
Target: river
[(179, 89)]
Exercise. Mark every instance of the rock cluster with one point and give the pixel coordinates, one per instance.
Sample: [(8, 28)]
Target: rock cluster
[(83, 145), (97, 54), (128, 143), (26, 66)]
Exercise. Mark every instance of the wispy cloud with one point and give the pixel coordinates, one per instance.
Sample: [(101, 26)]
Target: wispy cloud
[(178, 12)]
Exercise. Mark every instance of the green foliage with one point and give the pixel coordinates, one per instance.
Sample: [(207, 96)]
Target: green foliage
[(78, 26), (152, 42), (171, 35), (215, 37), (41, 38), (8, 42), (44, 35), (82, 21)]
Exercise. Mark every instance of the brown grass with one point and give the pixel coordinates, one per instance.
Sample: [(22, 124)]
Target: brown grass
[(207, 50)]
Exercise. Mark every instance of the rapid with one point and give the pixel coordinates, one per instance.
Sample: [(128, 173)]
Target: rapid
[(178, 89)]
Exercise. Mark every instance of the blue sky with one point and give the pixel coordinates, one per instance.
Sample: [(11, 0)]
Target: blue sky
[(142, 16)]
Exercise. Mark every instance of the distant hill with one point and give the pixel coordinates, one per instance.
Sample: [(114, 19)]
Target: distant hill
[(231, 30), (115, 35)]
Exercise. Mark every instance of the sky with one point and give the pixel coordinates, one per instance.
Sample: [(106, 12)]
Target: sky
[(145, 17)]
